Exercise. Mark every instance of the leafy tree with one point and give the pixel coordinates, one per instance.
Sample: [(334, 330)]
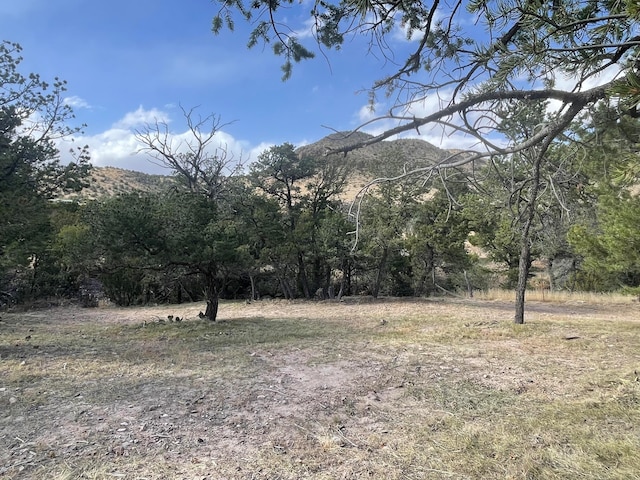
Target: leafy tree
[(410, 233), (611, 252), (33, 115), (384, 216), (263, 236), (208, 171), (606, 237), (525, 198), (138, 233), (436, 241), (306, 188)]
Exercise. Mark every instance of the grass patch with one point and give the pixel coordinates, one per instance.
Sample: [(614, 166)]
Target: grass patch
[(290, 390)]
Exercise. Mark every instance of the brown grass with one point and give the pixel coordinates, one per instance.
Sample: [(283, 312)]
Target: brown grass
[(285, 390)]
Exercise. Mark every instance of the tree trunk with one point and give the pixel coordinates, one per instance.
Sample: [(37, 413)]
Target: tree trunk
[(523, 276), (212, 308), (343, 280), (179, 294), (286, 289), (469, 286), (213, 296), (302, 277), (254, 293), (524, 262), (381, 267)]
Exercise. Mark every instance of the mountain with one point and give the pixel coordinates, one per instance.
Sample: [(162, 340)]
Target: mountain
[(389, 157), (385, 157)]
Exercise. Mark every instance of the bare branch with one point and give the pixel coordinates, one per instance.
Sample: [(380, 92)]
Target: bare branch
[(204, 166)]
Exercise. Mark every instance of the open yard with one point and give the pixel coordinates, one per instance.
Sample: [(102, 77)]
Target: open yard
[(391, 389)]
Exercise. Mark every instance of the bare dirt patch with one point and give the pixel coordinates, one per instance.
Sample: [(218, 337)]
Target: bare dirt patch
[(288, 390)]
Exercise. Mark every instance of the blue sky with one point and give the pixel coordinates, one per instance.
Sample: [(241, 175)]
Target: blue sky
[(128, 62)]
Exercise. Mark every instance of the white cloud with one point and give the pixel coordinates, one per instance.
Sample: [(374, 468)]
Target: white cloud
[(118, 146), (115, 147), (368, 112), (308, 29), (401, 31), (76, 102), (141, 117), (254, 153), (569, 83)]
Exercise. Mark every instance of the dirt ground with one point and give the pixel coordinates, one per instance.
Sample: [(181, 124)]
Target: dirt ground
[(274, 389)]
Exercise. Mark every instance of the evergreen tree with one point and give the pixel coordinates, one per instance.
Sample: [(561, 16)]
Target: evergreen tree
[(33, 115)]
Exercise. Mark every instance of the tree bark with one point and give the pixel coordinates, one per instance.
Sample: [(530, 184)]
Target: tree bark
[(286, 289), (381, 267), (254, 293), (213, 297), (469, 286), (523, 275), (524, 262), (212, 308), (302, 277)]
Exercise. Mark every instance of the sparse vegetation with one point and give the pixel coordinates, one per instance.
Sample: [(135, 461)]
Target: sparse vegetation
[(290, 390), (106, 181)]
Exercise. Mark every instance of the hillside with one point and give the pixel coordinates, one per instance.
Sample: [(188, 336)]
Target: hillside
[(384, 158), (108, 181)]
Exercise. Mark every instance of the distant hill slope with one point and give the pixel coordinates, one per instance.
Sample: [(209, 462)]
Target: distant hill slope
[(386, 157), (389, 157), (109, 181)]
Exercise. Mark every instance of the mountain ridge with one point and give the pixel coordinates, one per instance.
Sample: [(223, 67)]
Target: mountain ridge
[(387, 157)]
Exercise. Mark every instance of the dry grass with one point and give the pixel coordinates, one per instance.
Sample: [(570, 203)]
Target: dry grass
[(277, 390), (543, 295)]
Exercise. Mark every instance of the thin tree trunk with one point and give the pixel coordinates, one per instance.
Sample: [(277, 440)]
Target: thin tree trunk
[(469, 286), (286, 289), (179, 294), (381, 267), (524, 262), (343, 280), (523, 276), (302, 277), (213, 297), (254, 293)]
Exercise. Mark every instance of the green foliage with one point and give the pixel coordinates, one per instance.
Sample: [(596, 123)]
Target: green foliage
[(412, 239), (140, 233), (611, 253), (306, 188), (628, 89), (30, 172)]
